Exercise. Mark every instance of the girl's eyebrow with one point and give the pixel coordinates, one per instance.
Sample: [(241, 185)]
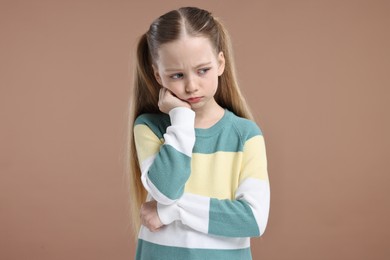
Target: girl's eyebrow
[(197, 66)]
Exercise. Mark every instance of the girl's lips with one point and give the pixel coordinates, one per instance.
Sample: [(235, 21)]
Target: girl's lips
[(194, 99)]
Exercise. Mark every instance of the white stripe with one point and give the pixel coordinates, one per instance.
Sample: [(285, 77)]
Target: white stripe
[(191, 209), (181, 134), (179, 235), (182, 138), (195, 211), (257, 193), (168, 213), (148, 184), (145, 164), (182, 116)]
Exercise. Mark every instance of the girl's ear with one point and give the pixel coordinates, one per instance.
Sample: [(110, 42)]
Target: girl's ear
[(156, 74), (221, 63)]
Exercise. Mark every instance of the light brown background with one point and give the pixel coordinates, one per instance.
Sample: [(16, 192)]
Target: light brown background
[(316, 74)]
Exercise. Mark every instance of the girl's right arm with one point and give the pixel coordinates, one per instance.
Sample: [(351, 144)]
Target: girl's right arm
[(166, 165)]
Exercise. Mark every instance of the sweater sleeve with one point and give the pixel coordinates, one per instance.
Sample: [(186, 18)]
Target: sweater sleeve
[(166, 166), (244, 216)]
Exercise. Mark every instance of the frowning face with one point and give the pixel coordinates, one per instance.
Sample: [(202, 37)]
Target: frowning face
[(189, 68)]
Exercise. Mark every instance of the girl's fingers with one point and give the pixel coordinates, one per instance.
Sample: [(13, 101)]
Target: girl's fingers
[(160, 96), (161, 93), (168, 100)]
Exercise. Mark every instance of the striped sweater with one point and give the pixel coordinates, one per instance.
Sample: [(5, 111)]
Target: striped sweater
[(211, 185)]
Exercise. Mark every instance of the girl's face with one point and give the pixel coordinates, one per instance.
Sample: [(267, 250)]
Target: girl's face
[(189, 68)]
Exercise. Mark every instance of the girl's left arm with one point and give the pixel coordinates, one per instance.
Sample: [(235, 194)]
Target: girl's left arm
[(244, 216)]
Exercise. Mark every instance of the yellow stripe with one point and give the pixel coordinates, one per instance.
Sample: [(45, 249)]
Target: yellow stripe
[(146, 141), (214, 175), (218, 175), (255, 159)]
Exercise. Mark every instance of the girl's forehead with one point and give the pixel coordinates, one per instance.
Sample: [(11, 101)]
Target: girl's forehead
[(187, 50)]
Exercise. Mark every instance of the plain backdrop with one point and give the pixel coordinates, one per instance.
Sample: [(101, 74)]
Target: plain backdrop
[(315, 73)]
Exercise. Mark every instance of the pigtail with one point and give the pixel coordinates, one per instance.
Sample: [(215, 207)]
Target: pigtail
[(145, 84), (229, 94), (144, 99)]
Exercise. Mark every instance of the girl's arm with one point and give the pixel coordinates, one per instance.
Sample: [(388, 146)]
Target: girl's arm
[(166, 166), (245, 216)]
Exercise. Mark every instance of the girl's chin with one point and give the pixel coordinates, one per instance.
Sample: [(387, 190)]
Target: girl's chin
[(198, 105), (195, 106)]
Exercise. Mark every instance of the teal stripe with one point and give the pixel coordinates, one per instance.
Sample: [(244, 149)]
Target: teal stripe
[(232, 219), (228, 135), (226, 141), (170, 171), (158, 123), (150, 251)]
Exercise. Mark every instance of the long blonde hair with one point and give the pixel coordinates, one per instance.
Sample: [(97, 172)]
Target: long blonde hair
[(144, 99)]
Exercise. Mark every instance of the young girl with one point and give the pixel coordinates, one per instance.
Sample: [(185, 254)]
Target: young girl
[(198, 164)]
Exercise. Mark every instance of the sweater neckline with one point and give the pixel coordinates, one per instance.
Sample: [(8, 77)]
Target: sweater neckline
[(216, 128)]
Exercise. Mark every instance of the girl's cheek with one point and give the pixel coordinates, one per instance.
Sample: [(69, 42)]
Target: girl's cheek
[(175, 89), (175, 93)]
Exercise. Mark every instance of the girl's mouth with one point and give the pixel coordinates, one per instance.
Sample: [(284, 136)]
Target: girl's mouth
[(194, 99)]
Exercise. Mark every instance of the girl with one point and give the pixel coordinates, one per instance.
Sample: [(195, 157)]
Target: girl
[(198, 163)]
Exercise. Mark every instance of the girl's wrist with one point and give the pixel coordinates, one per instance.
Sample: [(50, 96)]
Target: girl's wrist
[(182, 116), (168, 213)]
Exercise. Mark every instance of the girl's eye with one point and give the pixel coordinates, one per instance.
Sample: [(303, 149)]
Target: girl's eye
[(203, 71), (177, 76)]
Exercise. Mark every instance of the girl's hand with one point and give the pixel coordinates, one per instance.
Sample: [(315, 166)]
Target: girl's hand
[(149, 216), (168, 101)]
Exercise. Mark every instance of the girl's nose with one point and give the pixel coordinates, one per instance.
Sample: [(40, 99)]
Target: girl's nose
[(191, 85)]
